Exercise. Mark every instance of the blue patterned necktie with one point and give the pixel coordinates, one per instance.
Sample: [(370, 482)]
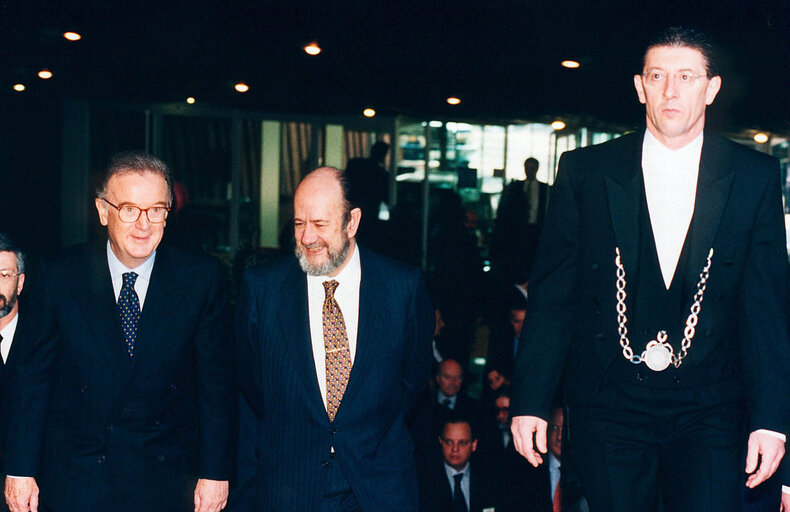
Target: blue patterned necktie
[(338, 355), (129, 309)]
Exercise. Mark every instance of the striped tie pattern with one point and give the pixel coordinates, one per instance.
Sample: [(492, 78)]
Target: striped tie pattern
[(338, 355), (129, 309)]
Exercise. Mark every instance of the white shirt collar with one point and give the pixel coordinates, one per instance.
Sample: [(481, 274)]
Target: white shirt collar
[(118, 269), (451, 471), (7, 333)]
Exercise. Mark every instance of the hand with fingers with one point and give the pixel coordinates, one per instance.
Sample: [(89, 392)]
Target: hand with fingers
[(21, 494), (767, 451), (211, 495), (529, 433)]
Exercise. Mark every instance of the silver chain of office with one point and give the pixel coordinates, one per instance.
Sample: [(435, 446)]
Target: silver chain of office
[(658, 354)]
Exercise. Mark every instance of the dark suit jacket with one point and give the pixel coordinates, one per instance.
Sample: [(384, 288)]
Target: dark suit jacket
[(436, 492), (100, 431), (292, 435), (571, 314)]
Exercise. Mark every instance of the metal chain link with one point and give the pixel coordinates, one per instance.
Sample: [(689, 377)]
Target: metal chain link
[(691, 321)]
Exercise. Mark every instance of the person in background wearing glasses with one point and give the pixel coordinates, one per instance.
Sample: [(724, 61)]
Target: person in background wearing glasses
[(659, 288), (122, 388)]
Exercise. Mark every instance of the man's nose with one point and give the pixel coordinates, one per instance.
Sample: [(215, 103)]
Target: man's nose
[(142, 220), (671, 87)]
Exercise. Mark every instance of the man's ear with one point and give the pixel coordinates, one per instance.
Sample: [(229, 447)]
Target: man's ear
[(640, 88), (101, 207), (355, 216)]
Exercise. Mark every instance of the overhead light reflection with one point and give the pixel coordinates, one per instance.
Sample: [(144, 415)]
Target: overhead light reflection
[(558, 125), (760, 138), (368, 112), (72, 36), (570, 64), (19, 87), (191, 100), (312, 48), (241, 87), (45, 74), (452, 100)]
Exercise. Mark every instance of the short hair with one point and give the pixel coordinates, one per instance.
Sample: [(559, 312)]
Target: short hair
[(454, 417), (340, 178), (379, 150), (129, 162), (532, 160), (7, 245), (687, 37)]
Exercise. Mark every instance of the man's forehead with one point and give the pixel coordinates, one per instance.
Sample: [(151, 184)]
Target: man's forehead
[(7, 258), (674, 57)]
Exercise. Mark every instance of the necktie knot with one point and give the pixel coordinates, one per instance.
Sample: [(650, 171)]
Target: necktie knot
[(129, 278), (458, 477), (329, 288)]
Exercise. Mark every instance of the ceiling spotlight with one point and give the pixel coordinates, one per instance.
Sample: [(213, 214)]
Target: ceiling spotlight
[(368, 112), (558, 125), (760, 138), (19, 87), (45, 74), (570, 64), (72, 36), (241, 87), (312, 48), (452, 100), (191, 100)]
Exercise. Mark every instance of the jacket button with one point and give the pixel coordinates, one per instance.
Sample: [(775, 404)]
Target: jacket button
[(676, 379), (173, 387), (324, 463), (110, 426), (333, 431), (640, 377), (83, 389), (160, 458), (100, 459)]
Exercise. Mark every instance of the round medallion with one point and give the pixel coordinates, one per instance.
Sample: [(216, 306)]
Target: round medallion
[(657, 357)]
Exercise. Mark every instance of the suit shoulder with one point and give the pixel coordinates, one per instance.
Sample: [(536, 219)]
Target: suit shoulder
[(745, 158), (272, 270), (382, 263), (607, 149)]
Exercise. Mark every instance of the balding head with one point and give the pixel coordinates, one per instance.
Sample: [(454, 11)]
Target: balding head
[(450, 377), (324, 223)]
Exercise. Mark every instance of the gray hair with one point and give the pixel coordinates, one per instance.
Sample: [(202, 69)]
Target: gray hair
[(129, 162), (6, 245)]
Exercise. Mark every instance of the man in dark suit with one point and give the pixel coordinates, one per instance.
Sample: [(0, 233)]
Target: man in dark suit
[(334, 345), (456, 484), (661, 387), (122, 393), (12, 281)]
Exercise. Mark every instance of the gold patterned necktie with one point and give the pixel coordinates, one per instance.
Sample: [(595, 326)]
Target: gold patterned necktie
[(338, 355)]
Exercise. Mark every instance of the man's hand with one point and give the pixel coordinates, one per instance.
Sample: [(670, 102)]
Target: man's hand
[(785, 502), (21, 494), (524, 428), (768, 450), (211, 495)]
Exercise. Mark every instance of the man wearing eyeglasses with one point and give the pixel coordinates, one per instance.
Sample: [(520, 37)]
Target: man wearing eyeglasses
[(659, 287), (122, 387)]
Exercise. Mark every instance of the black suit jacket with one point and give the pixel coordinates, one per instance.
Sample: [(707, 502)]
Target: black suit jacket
[(291, 435), (100, 431), (571, 314), (436, 492)]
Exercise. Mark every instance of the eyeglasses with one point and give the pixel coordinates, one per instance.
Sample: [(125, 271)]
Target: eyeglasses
[(655, 78), (130, 213), (7, 275)]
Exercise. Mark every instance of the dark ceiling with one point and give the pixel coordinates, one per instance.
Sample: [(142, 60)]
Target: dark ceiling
[(399, 57)]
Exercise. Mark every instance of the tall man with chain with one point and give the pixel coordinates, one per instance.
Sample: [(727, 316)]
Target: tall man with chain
[(659, 289)]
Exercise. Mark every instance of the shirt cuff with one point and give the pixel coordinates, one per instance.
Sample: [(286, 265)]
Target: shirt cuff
[(772, 433), (786, 488)]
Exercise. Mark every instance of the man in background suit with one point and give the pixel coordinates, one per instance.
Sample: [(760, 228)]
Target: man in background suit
[(661, 387), (12, 280), (121, 395), (334, 346)]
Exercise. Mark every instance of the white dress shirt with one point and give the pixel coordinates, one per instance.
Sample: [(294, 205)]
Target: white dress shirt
[(118, 269), (554, 474), (7, 333), (441, 397), (347, 297), (465, 481), (671, 187)]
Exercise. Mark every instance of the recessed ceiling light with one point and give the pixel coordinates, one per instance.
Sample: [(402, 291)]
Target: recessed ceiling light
[(760, 138), (45, 74), (558, 125), (368, 112), (452, 100), (191, 100), (72, 36), (19, 87), (571, 64), (241, 87), (312, 48)]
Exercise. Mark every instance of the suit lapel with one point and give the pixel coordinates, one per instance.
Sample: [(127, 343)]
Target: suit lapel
[(96, 299), (713, 189), (295, 333), (163, 296), (371, 298), (623, 192)]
